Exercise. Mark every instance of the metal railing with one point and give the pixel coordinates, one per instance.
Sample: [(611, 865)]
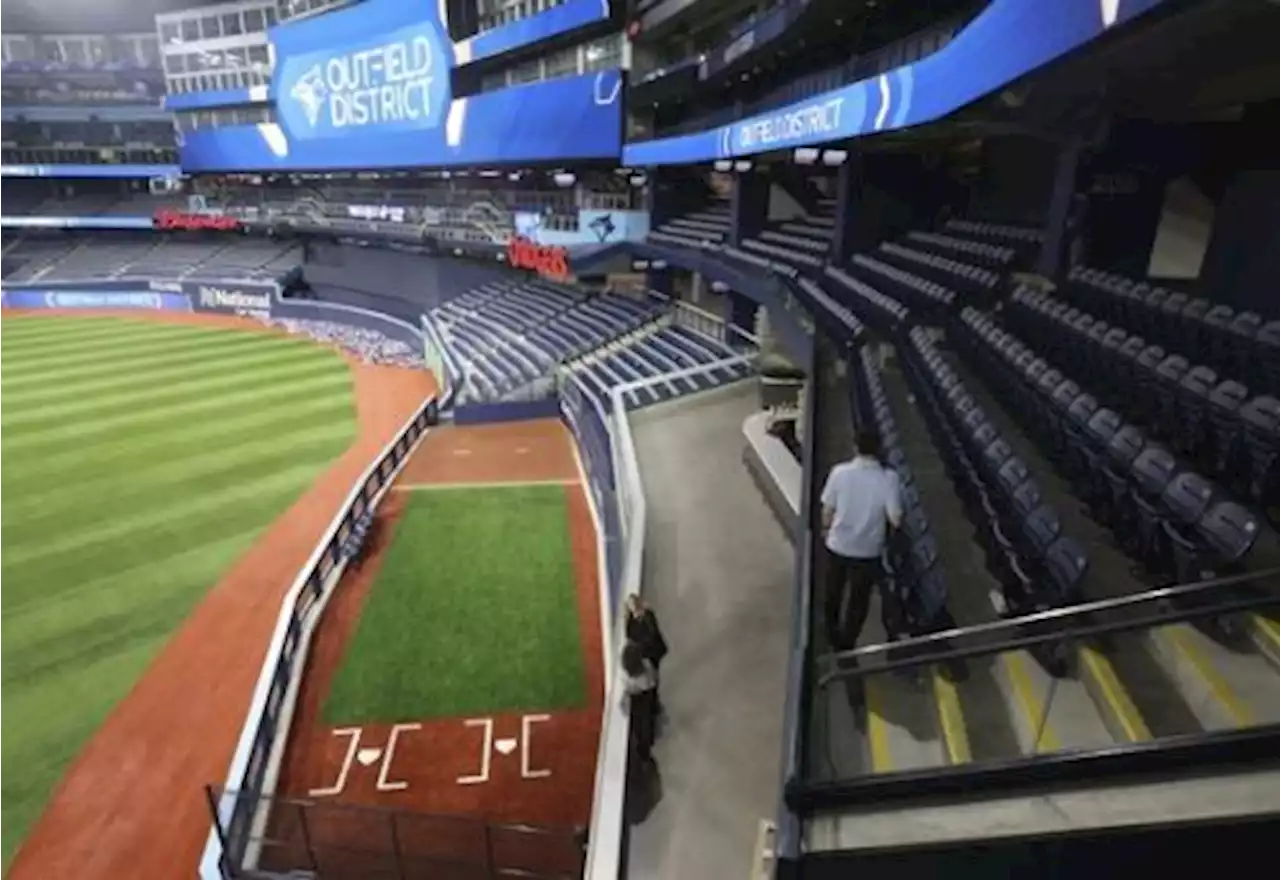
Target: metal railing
[(324, 838), (256, 761)]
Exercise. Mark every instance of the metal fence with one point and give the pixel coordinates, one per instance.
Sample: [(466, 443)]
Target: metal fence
[(334, 841), (255, 762)]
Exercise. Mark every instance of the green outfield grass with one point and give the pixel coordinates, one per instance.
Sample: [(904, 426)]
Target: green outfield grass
[(139, 460), (474, 611)]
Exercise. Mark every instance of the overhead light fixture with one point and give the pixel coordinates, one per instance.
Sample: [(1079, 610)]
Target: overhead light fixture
[(805, 155), (565, 179), (742, 166), (723, 165), (719, 287), (659, 264), (639, 180), (639, 265), (834, 158)]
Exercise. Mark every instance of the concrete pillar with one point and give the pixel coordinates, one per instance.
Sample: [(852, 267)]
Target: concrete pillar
[(748, 205), (1058, 225)]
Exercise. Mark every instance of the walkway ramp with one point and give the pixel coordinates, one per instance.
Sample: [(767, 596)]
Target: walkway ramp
[(718, 570)]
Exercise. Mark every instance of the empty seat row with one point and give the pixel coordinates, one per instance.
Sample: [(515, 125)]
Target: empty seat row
[(917, 575), (1174, 523), (954, 273), (1001, 232), (983, 252), (871, 305), (1021, 535), (928, 297), (801, 242), (1237, 343), (786, 254), (1214, 421)]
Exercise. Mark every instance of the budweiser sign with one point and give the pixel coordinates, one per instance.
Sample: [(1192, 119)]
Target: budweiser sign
[(181, 220), (551, 262)]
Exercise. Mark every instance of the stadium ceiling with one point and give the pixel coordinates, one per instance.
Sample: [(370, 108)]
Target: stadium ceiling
[(88, 16)]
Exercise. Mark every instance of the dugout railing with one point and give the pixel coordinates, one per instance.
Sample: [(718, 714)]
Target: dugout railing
[(321, 838), (238, 818)]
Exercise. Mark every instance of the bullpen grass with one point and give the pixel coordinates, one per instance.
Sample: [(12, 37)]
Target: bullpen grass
[(139, 460), (474, 611)]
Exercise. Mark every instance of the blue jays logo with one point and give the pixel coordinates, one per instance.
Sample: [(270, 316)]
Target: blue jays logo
[(603, 227), (310, 91)]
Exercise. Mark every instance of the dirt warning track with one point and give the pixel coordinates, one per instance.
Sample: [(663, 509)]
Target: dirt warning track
[(132, 803), (519, 767)]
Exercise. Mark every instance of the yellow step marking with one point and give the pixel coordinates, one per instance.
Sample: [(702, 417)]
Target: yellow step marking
[(1029, 702), (1266, 635), (955, 736), (1183, 640), (1114, 693), (877, 727)]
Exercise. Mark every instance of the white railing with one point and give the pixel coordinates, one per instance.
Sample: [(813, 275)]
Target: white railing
[(256, 761), (607, 817)]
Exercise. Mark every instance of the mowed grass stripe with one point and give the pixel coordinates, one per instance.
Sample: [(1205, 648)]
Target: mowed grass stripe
[(173, 517), (229, 377), (46, 725), (112, 535), (267, 358), (117, 586), (55, 439), (104, 606), (127, 454), (63, 507), (143, 358), (132, 339), (474, 611), (118, 332)]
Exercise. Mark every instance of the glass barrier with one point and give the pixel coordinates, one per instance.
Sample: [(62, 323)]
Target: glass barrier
[(1153, 670)]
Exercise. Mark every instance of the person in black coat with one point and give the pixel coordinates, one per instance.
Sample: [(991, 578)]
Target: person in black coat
[(643, 630)]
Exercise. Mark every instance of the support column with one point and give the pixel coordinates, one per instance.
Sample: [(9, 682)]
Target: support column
[(659, 280), (848, 191), (748, 205), (742, 312), (879, 197), (1061, 221)]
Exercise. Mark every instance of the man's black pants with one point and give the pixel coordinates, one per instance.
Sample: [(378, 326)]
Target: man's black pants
[(848, 599)]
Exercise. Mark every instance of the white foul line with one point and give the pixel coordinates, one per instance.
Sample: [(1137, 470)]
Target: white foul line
[(526, 725), (485, 756), (354, 733), (385, 784)]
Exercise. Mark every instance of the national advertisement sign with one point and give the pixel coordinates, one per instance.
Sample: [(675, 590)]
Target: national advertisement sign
[(232, 298), (369, 86)]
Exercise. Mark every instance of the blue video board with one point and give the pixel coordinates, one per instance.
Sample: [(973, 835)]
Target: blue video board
[(1008, 40), (369, 87)]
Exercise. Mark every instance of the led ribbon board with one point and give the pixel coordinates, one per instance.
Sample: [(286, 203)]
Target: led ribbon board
[(369, 87)]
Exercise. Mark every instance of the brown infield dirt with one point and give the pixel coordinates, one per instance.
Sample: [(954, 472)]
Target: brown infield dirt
[(132, 803), (546, 778)]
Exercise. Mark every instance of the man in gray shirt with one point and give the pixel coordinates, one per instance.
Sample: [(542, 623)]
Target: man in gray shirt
[(861, 501)]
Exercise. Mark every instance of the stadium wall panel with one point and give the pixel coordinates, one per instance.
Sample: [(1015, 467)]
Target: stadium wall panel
[(421, 280)]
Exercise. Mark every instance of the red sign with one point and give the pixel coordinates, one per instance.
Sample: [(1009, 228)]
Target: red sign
[(184, 221), (551, 262)]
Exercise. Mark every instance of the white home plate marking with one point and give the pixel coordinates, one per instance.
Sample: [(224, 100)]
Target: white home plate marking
[(384, 783), (486, 751), (367, 756), (352, 746), (506, 746), (526, 734), (462, 452)]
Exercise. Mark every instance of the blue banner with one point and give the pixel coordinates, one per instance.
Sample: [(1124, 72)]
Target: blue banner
[(568, 16), (94, 299), (1008, 40), (217, 98), (369, 87), (75, 222), (112, 171), (578, 117)]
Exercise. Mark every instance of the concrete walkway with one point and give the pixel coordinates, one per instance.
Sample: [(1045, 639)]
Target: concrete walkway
[(719, 572)]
